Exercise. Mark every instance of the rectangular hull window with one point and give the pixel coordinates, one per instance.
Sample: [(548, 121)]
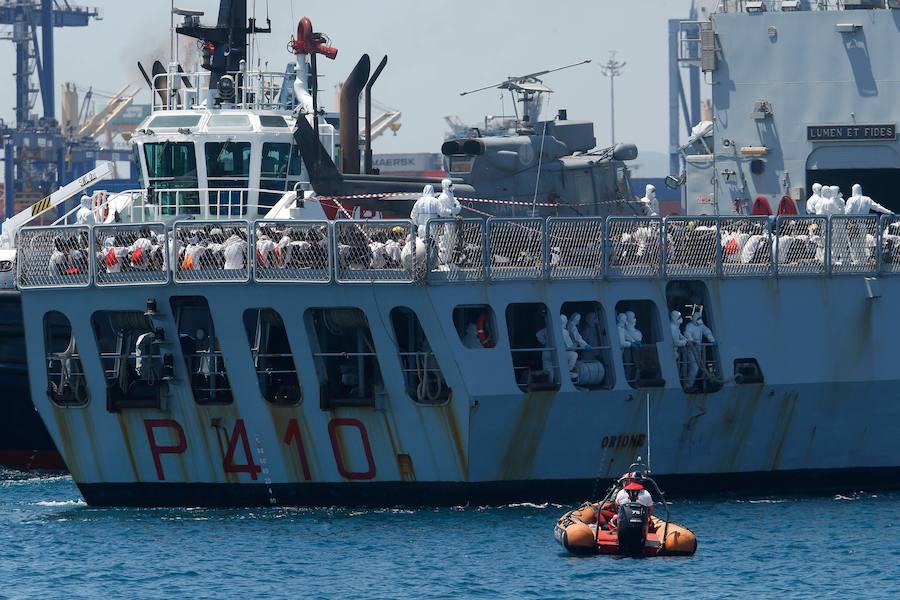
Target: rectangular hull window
[(475, 326), (66, 384), (345, 358), (531, 342), (272, 357), (696, 349), (200, 348), (639, 331), (131, 358), (589, 353), (421, 372)]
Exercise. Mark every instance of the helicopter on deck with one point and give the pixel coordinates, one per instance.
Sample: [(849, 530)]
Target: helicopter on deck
[(554, 165)]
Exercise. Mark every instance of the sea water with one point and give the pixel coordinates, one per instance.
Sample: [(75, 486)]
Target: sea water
[(52, 545)]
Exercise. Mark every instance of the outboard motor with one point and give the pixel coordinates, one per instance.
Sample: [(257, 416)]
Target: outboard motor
[(634, 521)]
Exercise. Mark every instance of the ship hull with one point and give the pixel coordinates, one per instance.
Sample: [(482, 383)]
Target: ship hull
[(825, 418), (24, 441), (388, 494)]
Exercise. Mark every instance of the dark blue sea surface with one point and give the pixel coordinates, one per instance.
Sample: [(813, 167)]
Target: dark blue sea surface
[(54, 546)]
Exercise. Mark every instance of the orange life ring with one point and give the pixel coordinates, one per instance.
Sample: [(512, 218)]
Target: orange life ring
[(100, 207), (483, 336)]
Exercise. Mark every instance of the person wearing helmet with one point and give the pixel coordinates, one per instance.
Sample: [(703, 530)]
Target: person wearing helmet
[(634, 491)]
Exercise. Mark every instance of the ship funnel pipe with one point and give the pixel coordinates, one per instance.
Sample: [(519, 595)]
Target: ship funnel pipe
[(375, 75), (350, 92)]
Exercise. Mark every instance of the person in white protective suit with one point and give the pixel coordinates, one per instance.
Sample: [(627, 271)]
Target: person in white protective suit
[(631, 328), (649, 202), (427, 207), (696, 332), (470, 337), (449, 209), (813, 202), (546, 355), (862, 205), (857, 236), (85, 214), (571, 354), (679, 341), (235, 252), (574, 332), (831, 204), (625, 338)]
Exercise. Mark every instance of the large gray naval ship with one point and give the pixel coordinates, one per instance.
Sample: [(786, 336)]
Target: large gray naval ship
[(214, 343)]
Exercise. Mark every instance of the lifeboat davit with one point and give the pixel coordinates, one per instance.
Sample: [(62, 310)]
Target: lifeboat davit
[(627, 528)]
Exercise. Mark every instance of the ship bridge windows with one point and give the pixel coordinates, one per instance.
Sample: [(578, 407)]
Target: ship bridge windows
[(131, 359), (200, 348), (280, 170), (421, 373), (476, 326), (273, 121), (345, 358), (533, 348), (696, 349), (589, 353), (173, 121), (226, 122), (173, 166), (272, 357), (66, 383), (228, 173), (638, 329)]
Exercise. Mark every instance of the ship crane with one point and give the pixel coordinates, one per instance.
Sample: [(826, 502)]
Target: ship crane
[(527, 90)]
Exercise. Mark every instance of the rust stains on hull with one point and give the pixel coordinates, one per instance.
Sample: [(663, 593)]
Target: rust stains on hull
[(518, 460)]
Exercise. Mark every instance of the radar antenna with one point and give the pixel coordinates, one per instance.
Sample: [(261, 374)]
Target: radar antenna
[(529, 89)]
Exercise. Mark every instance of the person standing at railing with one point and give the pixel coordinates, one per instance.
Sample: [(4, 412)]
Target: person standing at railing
[(427, 207), (696, 333), (449, 208), (85, 214), (649, 202), (679, 341), (860, 206), (813, 202), (628, 345), (833, 204)]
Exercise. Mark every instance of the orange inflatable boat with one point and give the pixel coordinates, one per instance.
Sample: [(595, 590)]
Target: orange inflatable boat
[(623, 523)]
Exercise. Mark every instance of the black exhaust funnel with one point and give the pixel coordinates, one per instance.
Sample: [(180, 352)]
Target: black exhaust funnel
[(368, 154), (353, 87)]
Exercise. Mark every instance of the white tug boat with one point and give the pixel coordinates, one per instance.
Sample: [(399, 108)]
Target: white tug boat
[(216, 341)]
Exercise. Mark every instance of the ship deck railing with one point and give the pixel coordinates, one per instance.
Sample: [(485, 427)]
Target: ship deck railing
[(456, 251), (168, 204), (253, 90)]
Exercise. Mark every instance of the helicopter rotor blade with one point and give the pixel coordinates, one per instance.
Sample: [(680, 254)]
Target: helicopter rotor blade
[(487, 87), (512, 81), (540, 73)]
